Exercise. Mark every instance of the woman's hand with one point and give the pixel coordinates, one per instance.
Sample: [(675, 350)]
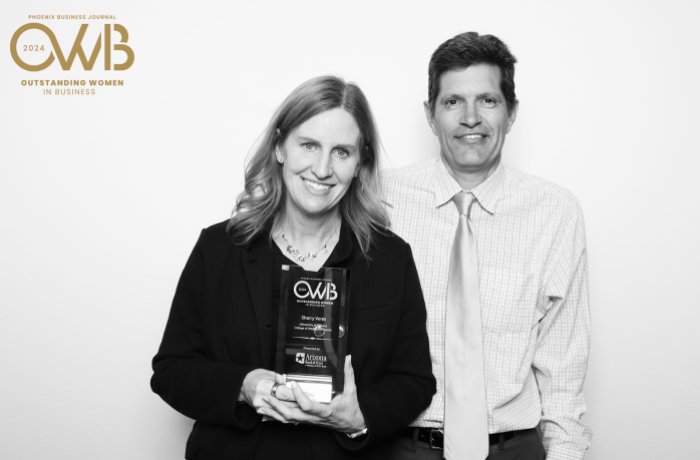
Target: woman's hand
[(342, 414), (257, 385)]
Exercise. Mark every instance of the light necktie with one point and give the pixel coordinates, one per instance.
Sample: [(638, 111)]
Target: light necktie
[(466, 430)]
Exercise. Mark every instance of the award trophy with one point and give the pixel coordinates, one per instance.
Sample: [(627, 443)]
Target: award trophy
[(312, 330)]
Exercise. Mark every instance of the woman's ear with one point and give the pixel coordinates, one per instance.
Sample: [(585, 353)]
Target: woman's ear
[(278, 154)]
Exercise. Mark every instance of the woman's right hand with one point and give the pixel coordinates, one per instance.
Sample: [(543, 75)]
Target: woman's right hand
[(257, 385), (294, 406)]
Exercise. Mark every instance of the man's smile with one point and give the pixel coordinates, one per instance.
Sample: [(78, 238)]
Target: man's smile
[(471, 137)]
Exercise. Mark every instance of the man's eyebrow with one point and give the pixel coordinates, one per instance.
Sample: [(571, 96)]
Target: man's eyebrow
[(459, 97), (452, 96), (491, 94)]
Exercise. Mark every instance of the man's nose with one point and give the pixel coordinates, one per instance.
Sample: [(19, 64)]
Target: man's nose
[(470, 115)]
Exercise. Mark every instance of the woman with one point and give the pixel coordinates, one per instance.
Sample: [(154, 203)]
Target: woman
[(311, 199)]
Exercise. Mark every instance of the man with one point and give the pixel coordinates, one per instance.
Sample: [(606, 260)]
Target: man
[(501, 257)]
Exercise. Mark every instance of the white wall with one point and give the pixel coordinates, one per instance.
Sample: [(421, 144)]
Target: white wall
[(102, 197)]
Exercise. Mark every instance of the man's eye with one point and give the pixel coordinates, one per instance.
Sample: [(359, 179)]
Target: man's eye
[(451, 103), (489, 102)]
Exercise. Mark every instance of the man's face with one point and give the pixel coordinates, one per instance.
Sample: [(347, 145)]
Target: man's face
[(471, 120)]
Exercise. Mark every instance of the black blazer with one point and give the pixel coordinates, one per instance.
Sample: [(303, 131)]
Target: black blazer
[(220, 328)]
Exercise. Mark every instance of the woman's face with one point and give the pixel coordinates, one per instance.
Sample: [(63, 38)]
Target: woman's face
[(320, 159)]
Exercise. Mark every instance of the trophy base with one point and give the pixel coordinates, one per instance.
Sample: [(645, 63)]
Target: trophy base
[(317, 388)]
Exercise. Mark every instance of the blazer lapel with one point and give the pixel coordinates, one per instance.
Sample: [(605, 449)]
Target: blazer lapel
[(257, 266)]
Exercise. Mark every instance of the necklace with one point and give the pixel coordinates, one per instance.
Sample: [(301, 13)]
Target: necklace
[(300, 257)]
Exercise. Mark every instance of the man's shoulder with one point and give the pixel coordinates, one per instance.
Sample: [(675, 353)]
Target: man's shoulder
[(540, 190), (417, 173), (408, 179)]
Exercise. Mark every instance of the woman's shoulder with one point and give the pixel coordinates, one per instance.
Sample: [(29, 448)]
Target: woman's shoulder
[(216, 236), (219, 229), (386, 242), (388, 258), (220, 236)]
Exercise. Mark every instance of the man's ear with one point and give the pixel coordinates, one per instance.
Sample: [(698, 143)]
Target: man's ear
[(429, 116), (512, 116)]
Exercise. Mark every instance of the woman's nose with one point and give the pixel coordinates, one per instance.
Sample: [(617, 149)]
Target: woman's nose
[(322, 168)]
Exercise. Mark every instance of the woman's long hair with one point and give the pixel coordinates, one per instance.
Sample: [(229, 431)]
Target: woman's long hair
[(262, 202)]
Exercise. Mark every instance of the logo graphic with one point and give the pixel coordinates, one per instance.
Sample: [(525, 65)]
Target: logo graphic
[(105, 42), (301, 358), (323, 290)]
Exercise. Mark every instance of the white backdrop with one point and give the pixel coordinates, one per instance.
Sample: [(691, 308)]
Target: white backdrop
[(102, 196)]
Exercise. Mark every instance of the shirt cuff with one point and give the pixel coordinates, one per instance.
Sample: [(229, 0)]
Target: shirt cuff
[(561, 452)]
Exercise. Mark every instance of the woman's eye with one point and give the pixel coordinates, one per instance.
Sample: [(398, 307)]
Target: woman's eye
[(342, 153), (308, 145)]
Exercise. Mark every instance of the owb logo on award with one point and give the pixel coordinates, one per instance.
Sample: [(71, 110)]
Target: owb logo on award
[(324, 290)]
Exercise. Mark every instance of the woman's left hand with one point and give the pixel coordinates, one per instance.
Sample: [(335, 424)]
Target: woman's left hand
[(342, 414)]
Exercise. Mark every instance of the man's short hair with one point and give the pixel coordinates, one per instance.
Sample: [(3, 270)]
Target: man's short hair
[(466, 49)]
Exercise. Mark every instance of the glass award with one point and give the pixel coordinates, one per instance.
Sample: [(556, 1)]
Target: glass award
[(312, 330)]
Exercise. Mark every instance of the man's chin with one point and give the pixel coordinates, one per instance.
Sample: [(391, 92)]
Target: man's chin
[(473, 163)]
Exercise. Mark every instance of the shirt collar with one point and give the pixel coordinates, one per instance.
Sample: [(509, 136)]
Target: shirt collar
[(486, 193), (445, 185)]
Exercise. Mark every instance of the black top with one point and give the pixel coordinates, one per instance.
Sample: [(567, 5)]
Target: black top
[(221, 327)]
